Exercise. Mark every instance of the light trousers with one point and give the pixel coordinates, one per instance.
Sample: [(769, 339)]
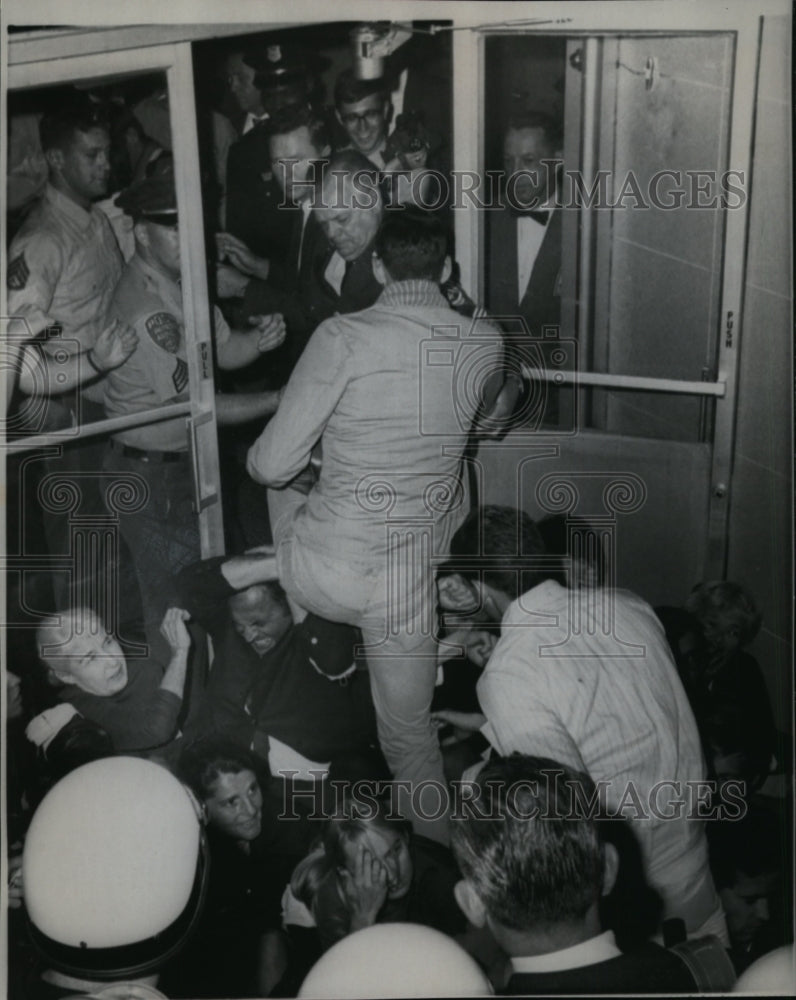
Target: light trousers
[(393, 603)]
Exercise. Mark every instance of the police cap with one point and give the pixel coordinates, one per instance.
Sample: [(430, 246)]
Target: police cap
[(152, 199)]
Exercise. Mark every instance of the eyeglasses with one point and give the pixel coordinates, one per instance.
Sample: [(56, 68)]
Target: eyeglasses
[(371, 117)]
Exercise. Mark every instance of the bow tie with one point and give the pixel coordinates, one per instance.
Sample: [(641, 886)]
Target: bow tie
[(538, 215)]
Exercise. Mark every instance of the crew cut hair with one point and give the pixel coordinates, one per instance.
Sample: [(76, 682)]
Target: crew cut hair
[(500, 546), (347, 163), (57, 128), (527, 845), (412, 244), (295, 116), (203, 763), (349, 90)]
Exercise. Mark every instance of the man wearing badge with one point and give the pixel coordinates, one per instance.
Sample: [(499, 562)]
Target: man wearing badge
[(163, 534)]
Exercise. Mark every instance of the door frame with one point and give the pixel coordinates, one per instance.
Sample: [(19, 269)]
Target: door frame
[(745, 23)]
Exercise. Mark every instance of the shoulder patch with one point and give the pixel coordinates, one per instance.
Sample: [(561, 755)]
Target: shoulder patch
[(164, 329), (180, 375), (18, 273)]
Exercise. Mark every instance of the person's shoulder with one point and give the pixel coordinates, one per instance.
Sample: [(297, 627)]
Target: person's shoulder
[(137, 304), (131, 284), (342, 328), (143, 676), (547, 595), (631, 605), (39, 233), (429, 853)]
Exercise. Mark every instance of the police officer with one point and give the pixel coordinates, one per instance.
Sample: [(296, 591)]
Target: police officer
[(113, 873), (64, 264), (163, 534)]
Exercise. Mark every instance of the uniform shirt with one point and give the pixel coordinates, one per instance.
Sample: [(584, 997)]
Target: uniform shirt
[(156, 373), (64, 264), (394, 407), (557, 687)]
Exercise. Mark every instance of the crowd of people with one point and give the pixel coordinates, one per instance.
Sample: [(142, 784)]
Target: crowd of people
[(412, 709)]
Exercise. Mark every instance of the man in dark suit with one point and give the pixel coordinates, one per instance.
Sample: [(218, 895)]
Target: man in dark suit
[(297, 145), (336, 273), (535, 867), (525, 235), (261, 86), (524, 239), (329, 261)]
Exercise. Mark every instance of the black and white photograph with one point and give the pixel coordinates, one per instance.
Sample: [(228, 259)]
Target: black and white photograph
[(397, 477)]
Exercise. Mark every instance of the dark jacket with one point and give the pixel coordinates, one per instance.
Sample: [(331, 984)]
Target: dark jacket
[(691, 967), (140, 717), (255, 211), (287, 693)]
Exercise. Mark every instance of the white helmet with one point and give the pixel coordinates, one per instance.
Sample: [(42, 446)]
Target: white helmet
[(114, 869), (395, 960)]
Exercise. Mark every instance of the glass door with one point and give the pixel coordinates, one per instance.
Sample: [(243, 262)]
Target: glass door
[(632, 384)]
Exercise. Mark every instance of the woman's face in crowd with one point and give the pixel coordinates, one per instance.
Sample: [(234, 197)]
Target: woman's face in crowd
[(391, 848), (92, 660)]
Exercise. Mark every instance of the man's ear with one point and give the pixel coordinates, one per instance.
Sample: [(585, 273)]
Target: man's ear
[(61, 676), (55, 158), (611, 868), (470, 903), (447, 270), (141, 234), (379, 270), (456, 594)]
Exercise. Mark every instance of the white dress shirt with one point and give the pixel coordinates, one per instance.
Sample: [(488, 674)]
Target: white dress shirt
[(251, 121), (611, 705), (530, 236)]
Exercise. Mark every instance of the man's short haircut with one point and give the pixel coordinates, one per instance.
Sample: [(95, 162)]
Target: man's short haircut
[(501, 546), (412, 243), (271, 590), (551, 128), (561, 532), (202, 764), (346, 163), (724, 605), (349, 90), (57, 128), (527, 845), (296, 116)]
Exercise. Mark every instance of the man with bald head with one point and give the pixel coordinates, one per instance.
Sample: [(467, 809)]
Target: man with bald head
[(347, 205)]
